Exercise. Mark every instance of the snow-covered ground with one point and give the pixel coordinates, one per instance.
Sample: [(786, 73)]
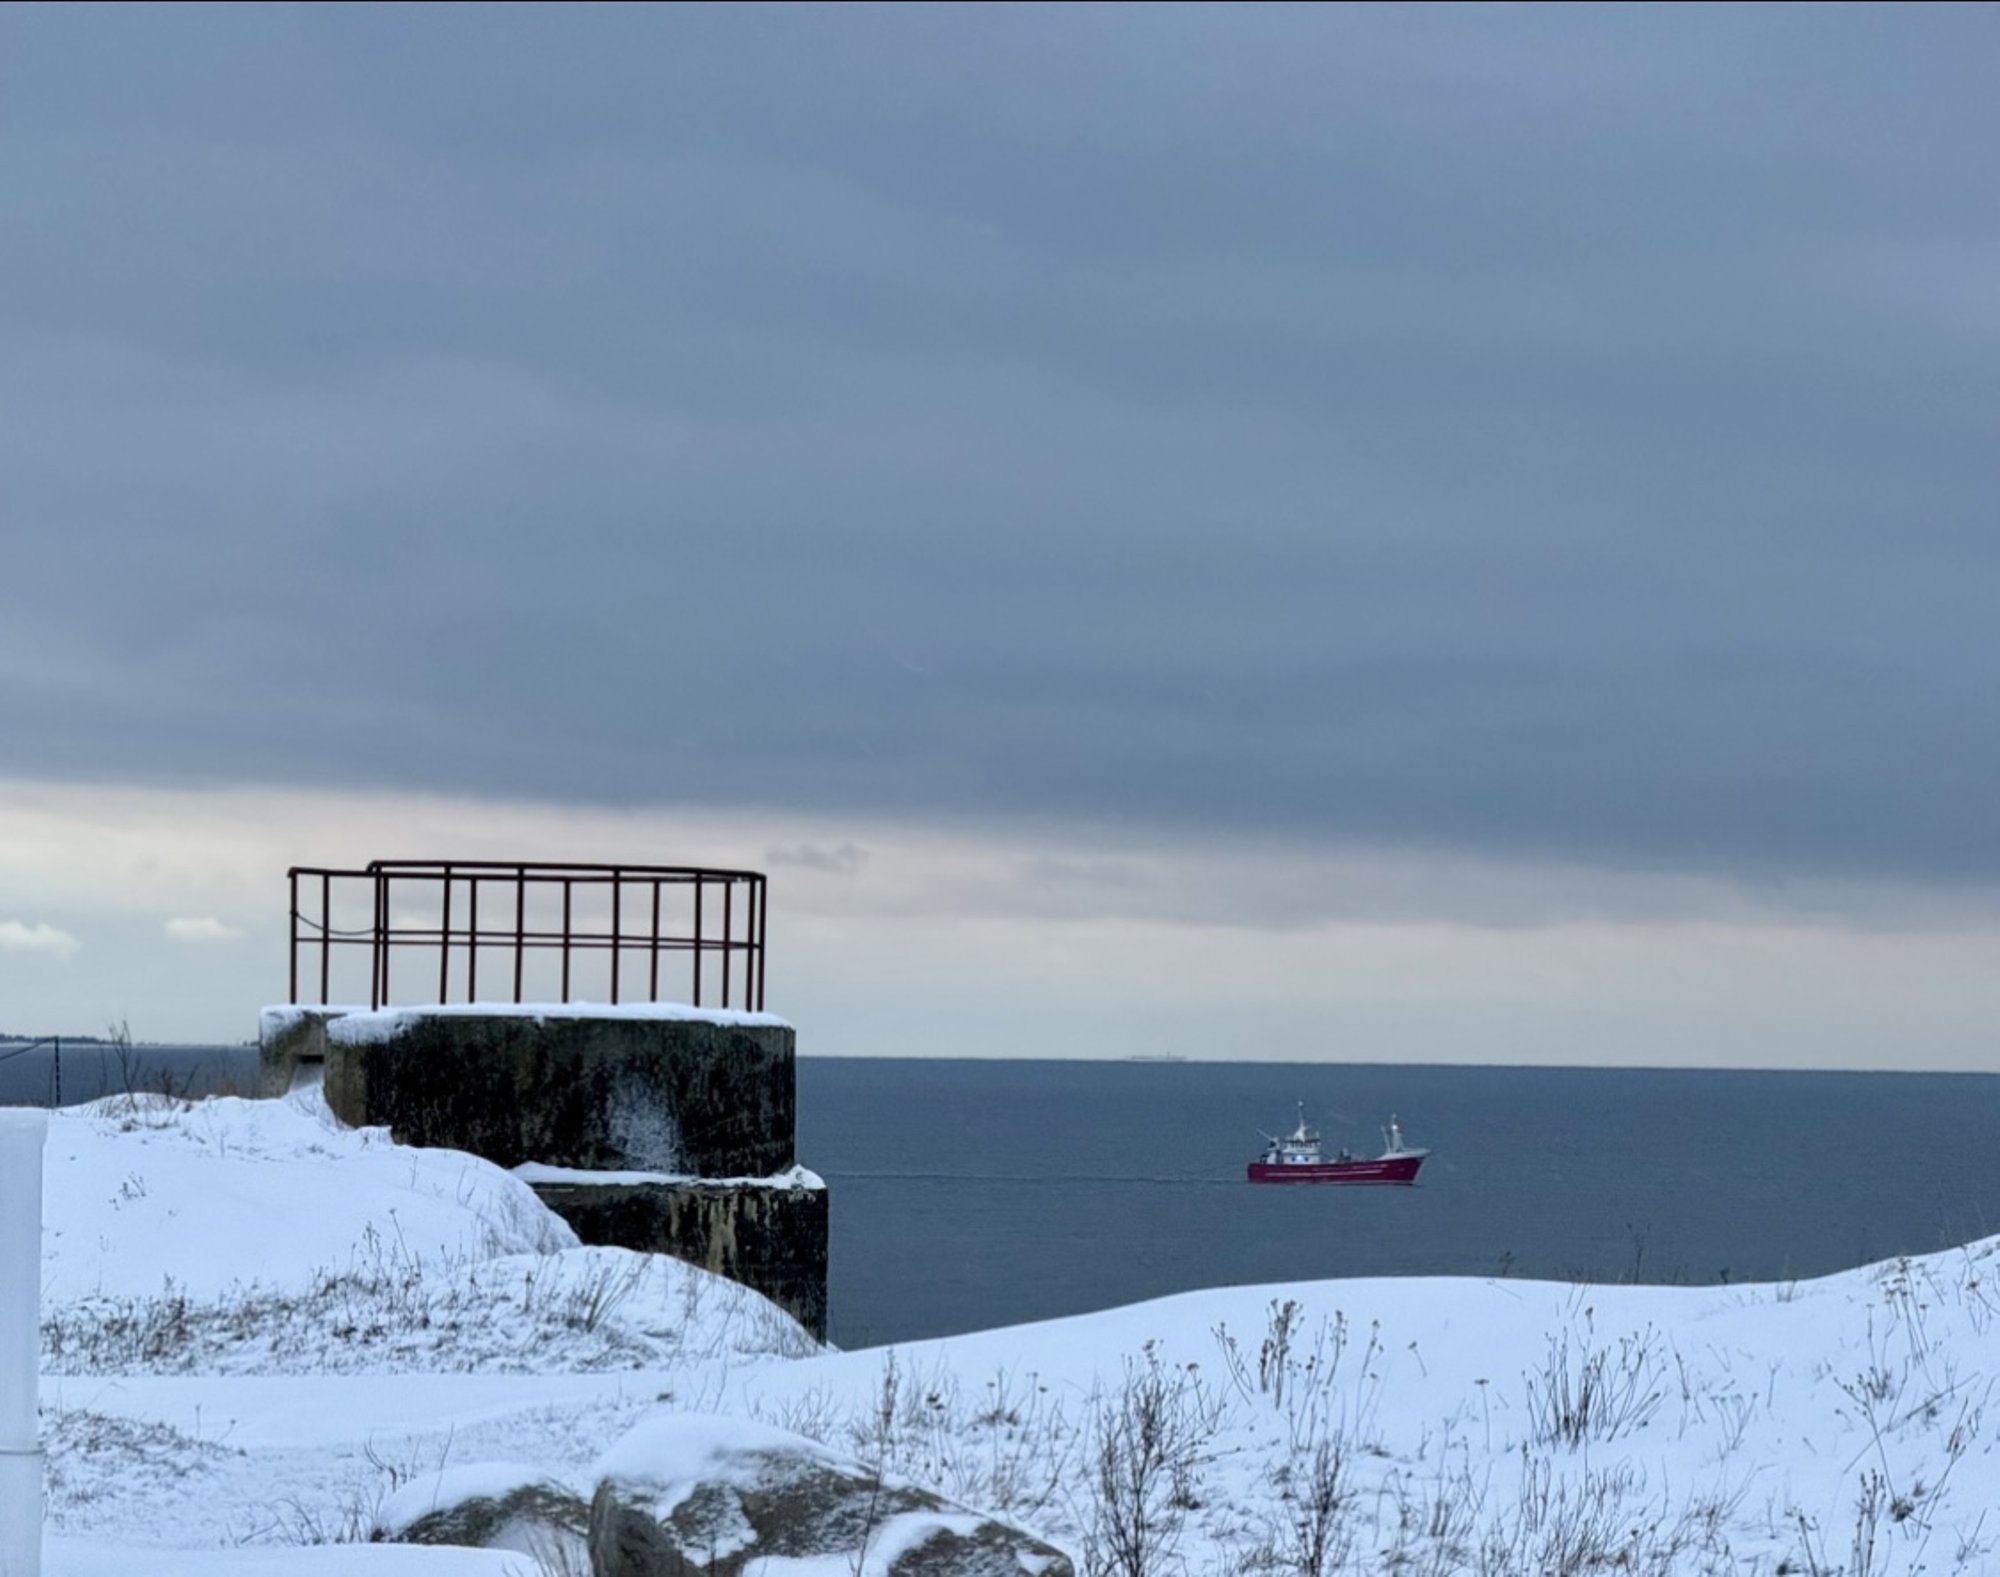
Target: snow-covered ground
[(266, 1335)]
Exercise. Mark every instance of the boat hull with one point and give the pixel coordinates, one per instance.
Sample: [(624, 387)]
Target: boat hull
[(1387, 1170)]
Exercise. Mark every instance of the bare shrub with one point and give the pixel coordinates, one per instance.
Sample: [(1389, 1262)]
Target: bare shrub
[(389, 1309), (1587, 1392), (604, 1288), (1311, 1536), (1148, 1442), (1006, 1447)]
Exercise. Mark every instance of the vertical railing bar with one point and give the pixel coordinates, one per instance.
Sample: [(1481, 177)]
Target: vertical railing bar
[(293, 877), (697, 938), (444, 944), (728, 935), (617, 893), (472, 941), (379, 984), (520, 924), (763, 920), (325, 937), (565, 939), (653, 978)]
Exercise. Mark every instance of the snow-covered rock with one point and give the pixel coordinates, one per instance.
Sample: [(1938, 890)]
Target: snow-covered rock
[(491, 1506), (703, 1493)]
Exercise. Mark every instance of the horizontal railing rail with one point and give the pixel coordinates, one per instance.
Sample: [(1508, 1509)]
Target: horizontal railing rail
[(715, 917)]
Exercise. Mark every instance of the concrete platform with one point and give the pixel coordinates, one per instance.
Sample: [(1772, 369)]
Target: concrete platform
[(663, 1128), (660, 1088)]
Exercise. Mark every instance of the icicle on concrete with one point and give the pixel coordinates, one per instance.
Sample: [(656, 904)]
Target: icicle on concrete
[(22, 1135)]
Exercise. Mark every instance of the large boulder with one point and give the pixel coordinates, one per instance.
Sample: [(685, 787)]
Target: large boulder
[(694, 1495), (488, 1505)]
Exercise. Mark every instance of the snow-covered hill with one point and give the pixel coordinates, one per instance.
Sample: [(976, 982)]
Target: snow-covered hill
[(266, 1334)]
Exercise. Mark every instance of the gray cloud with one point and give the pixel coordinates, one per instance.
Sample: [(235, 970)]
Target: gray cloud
[(18, 937), (200, 930), (1524, 431), (843, 859)]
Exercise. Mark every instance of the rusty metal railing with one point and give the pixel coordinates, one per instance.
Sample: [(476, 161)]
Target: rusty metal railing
[(715, 919)]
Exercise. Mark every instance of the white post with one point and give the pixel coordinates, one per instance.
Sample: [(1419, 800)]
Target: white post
[(22, 1134)]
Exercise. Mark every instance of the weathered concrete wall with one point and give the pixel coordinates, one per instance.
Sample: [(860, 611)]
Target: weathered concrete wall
[(290, 1040), (711, 1099), (770, 1239), (605, 1094)]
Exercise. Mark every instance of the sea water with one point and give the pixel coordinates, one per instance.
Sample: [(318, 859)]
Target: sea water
[(972, 1194)]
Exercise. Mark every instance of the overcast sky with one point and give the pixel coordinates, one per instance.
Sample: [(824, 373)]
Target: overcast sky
[(1528, 472)]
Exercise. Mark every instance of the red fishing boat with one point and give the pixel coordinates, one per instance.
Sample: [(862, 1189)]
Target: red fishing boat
[(1296, 1158)]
